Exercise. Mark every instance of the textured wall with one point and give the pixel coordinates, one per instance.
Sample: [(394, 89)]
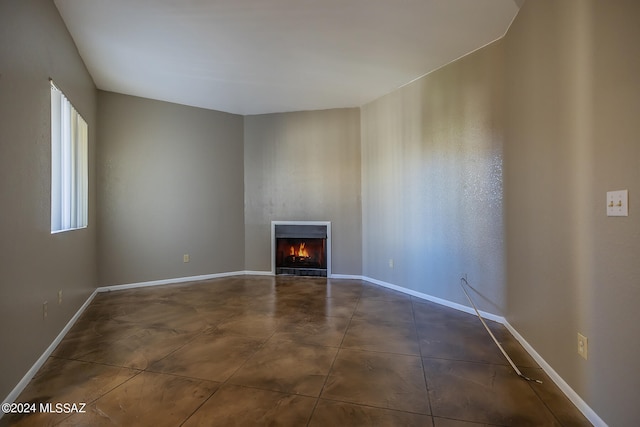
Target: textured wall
[(303, 166), (573, 102), (170, 183), (427, 160), (34, 264), (432, 182)]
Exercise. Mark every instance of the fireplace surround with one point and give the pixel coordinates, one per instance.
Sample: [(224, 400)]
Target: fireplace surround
[(301, 248)]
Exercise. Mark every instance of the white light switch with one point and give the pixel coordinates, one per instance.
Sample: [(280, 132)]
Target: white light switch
[(618, 203)]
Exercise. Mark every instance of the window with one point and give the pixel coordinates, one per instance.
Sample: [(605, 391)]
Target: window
[(69, 170)]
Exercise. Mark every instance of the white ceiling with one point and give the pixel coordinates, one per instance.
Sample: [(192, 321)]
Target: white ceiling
[(264, 56)]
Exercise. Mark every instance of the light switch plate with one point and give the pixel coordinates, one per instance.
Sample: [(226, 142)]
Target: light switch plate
[(618, 203)]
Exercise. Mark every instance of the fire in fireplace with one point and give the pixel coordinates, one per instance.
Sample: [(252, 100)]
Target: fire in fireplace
[(301, 253), (301, 250)]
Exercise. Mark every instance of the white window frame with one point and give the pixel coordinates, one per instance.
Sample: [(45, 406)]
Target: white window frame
[(69, 165)]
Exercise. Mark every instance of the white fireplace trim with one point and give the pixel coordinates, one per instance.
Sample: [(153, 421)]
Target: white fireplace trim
[(273, 240)]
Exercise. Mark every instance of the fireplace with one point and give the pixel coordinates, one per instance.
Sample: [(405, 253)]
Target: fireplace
[(301, 248)]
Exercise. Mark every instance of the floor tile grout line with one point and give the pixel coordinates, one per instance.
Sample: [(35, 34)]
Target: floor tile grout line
[(99, 363), (360, 301), (101, 395), (326, 379), (139, 372), (226, 381), (200, 333), (94, 401), (260, 347), (146, 369), (186, 377), (471, 422), (379, 352), (475, 362), (531, 385), (304, 343), (424, 370), (334, 360), (270, 390), (200, 406), (479, 363), (364, 405)]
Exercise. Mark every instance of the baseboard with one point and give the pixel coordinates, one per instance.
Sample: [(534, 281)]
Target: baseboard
[(582, 406), (13, 395), (346, 276), (589, 413), (258, 273), (169, 281), (431, 298)]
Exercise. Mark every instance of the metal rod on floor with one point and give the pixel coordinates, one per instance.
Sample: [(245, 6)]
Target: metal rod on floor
[(504, 353)]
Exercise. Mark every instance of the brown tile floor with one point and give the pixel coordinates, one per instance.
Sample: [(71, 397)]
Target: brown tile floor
[(291, 352)]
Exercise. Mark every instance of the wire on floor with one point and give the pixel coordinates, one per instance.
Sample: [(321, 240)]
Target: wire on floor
[(463, 281)]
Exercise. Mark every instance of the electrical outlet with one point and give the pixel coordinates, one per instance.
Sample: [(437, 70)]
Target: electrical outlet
[(185, 258), (44, 309), (583, 346), (390, 262), (60, 297)]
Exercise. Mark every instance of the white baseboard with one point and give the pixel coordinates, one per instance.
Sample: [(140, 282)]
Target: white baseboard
[(169, 281), (257, 273), (346, 276), (13, 395), (557, 379), (582, 406), (589, 413), (431, 298)]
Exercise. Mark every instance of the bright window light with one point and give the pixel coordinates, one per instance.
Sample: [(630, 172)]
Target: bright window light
[(69, 165)]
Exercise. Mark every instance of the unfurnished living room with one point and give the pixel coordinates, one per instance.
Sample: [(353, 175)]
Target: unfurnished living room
[(286, 212)]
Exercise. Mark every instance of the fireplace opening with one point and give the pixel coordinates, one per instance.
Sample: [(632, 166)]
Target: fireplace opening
[(301, 253), (301, 250)]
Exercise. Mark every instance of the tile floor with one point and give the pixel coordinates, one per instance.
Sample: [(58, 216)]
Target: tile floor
[(287, 351)]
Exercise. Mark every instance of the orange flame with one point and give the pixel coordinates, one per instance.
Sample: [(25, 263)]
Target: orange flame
[(301, 252)]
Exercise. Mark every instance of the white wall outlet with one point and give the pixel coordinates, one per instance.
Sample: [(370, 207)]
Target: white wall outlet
[(390, 262), (618, 203), (583, 346), (185, 258)]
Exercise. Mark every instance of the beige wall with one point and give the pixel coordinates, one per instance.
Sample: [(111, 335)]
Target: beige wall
[(170, 183), (550, 113), (432, 183), (303, 166), (573, 105), (557, 102), (34, 46)]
